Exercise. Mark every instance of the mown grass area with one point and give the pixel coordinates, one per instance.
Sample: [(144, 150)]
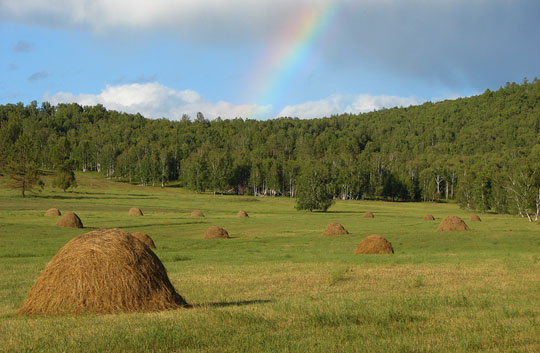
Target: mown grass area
[(278, 285)]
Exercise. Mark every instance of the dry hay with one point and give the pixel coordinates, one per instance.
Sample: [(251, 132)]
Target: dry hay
[(374, 244), (70, 220), (145, 238), (429, 217), (452, 223), (103, 271), (242, 214), (475, 218), (134, 211), (368, 215), (334, 229), (197, 213), (53, 212), (215, 232)]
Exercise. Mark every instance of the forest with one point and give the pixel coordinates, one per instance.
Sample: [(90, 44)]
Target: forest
[(481, 151)]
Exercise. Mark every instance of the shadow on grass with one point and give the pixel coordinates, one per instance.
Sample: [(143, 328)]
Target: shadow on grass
[(157, 224), (90, 197), (227, 304)]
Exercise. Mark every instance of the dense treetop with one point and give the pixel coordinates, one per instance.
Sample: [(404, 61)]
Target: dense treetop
[(470, 149)]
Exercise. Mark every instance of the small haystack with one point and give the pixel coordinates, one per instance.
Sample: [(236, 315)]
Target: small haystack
[(145, 238), (475, 218), (452, 223), (429, 217), (334, 229), (70, 220), (242, 214), (368, 215), (53, 212), (103, 271), (374, 244), (197, 213), (215, 232), (134, 211)]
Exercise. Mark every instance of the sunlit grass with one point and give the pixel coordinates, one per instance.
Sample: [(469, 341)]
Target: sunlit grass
[(278, 285)]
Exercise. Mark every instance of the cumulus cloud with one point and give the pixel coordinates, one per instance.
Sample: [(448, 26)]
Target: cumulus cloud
[(154, 100), (338, 104)]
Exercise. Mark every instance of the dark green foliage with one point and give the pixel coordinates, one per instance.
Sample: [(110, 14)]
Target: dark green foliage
[(65, 177), (463, 149), (314, 188), (21, 166)]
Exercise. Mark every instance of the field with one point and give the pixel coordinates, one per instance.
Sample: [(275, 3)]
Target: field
[(278, 285)]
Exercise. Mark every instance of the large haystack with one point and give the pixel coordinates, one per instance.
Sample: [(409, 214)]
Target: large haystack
[(134, 211), (374, 244), (53, 212), (103, 271), (70, 220), (215, 232), (197, 213), (242, 214), (475, 218), (145, 238), (368, 215), (452, 223), (334, 229), (429, 217)]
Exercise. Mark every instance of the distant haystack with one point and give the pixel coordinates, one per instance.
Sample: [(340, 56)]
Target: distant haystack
[(134, 211), (215, 232), (103, 271), (242, 214), (334, 229), (475, 218), (452, 223), (429, 217), (53, 212), (368, 215), (197, 213), (374, 244), (145, 238), (70, 220)]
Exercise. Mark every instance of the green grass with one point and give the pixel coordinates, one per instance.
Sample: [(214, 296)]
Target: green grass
[(278, 285)]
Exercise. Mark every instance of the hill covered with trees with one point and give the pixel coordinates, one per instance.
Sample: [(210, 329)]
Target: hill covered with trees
[(483, 151)]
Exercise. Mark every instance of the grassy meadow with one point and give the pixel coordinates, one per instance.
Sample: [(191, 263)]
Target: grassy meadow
[(277, 285)]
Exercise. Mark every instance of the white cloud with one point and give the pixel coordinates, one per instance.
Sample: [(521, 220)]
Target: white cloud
[(338, 104), (154, 100)]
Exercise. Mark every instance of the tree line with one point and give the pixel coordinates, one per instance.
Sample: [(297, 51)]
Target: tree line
[(482, 151)]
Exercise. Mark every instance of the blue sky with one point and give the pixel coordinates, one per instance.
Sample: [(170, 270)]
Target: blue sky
[(164, 58)]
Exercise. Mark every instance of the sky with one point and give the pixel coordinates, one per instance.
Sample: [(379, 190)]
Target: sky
[(262, 59)]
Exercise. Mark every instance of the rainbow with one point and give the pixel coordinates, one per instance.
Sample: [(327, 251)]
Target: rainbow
[(292, 51)]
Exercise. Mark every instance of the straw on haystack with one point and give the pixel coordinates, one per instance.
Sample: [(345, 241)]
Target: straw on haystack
[(475, 218), (374, 244), (145, 238), (103, 271), (215, 232), (334, 229), (70, 220), (368, 215), (134, 211), (53, 212), (242, 214), (197, 213), (429, 217), (452, 223)]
